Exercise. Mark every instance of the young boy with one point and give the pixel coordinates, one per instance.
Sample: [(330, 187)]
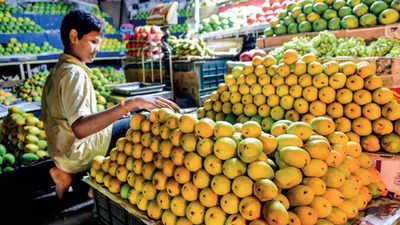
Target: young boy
[(76, 132)]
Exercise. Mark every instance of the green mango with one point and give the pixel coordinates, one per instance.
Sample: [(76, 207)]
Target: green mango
[(32, 130), (31, 139), (31, 148)]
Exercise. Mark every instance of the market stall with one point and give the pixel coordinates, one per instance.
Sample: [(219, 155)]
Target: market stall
[(294, 111)]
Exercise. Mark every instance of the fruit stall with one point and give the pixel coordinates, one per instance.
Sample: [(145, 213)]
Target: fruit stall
[(290, 111)]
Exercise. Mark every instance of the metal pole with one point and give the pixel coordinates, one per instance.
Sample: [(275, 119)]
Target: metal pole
[(22, 71), (196, 15)]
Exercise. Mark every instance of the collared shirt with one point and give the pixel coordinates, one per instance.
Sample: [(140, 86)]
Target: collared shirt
[(67, 96)]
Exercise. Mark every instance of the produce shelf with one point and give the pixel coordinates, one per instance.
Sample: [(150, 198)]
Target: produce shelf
[(112, 209), (49, 22), (366, 33), (257, 30)]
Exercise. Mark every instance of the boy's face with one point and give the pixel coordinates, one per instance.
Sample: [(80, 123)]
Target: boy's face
[(87, 47)]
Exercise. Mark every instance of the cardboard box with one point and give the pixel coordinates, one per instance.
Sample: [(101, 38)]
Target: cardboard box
[(389, 167), (368, 33)]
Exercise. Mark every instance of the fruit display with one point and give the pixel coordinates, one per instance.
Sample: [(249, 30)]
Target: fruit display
[(113, 75), (301, 88), (6, 98), (14, 47), (24, 133), (7, 160), (243, 16), (103, 92), (308, 16), (325, 44), (112, 45), (180, 170), (10, 9), (178, 28), (108, 28), (142, 15), (185, 13), (14, 25), (145, 37), (52, 8), (221, 22), (188, 47), (31, 89)]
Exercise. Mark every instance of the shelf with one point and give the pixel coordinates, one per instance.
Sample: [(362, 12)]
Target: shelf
[(233, 32)]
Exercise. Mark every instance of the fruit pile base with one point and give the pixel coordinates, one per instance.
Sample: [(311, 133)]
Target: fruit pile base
[(112, 210)]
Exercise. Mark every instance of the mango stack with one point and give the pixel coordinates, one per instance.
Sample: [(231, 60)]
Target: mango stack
[(103, 92), (181, 170), (25, 133), (302, 88)]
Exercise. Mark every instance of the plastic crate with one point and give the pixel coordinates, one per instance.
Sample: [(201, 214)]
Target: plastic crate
[(198, 78), (110, 213)]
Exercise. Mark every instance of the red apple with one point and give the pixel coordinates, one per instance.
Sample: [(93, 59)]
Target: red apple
[(137, 30), (147, 53), (150, 37), (158, 37), (276, 6), (269, 18), (155, 29), (269, 12), (143, 36), (251, 20), (265, 8), (262, 20), (146, 29)]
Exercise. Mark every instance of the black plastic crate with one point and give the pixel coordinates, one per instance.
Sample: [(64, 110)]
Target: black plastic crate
[(197, 78), (111, 213)]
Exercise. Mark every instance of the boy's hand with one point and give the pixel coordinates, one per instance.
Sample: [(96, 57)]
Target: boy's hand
[(150, 103)]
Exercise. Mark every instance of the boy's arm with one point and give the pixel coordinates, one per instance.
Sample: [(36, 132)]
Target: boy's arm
[(87, 125)]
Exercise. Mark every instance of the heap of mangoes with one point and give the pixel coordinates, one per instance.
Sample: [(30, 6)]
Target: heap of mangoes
[(302, 88), (6, 98), (23, 133), (188, 47), (308, 16), (181, 170), (31, 89)]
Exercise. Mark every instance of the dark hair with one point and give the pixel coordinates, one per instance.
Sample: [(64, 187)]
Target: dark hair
[(83, 22)]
